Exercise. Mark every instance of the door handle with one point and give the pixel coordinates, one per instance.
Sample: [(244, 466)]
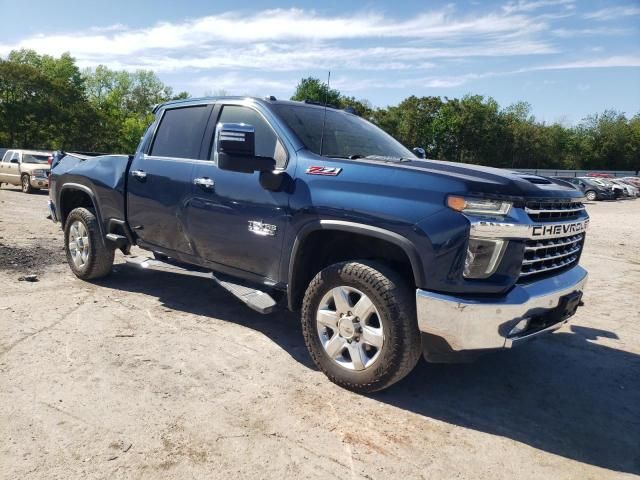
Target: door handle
[(139, 174), (204, 182)]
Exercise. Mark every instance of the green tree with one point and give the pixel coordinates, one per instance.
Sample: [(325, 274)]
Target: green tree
[(316, 91), (124, 101), (42, 101)]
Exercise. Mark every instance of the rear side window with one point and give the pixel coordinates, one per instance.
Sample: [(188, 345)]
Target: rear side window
[(7, 156), (180, 132)]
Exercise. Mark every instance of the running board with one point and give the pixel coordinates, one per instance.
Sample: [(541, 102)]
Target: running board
[(257, 300)]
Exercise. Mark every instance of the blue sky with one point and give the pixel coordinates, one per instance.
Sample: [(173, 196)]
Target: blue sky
[(568, 58)]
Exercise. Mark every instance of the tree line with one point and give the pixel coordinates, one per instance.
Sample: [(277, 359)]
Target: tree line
[(48, 102)]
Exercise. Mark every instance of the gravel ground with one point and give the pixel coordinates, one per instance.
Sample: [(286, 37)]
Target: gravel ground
[(151, 375)]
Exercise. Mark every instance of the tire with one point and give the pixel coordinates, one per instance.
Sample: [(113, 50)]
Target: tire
[(392, 318), (87, 254), (591, 195), (26, 184)]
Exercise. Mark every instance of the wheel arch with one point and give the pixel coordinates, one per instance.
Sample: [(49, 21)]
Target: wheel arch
[(74, 195), (302, 266)]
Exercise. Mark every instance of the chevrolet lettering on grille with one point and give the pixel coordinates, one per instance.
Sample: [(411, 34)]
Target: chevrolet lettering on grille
[(558, 230)]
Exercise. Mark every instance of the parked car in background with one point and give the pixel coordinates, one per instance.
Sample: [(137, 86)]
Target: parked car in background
[(618, 191), (26, 168), (629, 190), (599, 175), (635, 181), (592, 191)]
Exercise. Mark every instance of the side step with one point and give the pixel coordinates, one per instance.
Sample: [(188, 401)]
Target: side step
[(257, 300)]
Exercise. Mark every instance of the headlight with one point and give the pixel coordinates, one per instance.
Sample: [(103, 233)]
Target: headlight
[(39, 173), (483, 257), (478, 206)]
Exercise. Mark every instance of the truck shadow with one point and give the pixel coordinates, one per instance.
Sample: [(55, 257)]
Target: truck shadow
[(204, 297), (562, 394)]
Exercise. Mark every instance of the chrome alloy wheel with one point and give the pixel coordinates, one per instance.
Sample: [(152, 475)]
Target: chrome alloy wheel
[(350, 328), (79, 244), (25, 183)]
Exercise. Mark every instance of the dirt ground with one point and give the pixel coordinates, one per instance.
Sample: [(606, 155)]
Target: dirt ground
[(151, 375)]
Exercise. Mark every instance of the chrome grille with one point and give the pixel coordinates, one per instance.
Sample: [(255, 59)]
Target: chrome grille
[(553, 210), (541, 256)]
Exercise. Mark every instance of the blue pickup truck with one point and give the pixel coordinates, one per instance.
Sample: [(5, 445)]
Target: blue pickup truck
[(387, 256)]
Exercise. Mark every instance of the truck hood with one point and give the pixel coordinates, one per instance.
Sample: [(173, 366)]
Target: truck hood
[(487, 180)]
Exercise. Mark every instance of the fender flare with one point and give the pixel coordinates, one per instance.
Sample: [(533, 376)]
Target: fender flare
[(92, 197), (352, 227)]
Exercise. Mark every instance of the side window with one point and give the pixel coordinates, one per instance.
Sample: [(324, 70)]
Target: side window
[(7, 156), (180, 132), (16, 156), (267, 142)]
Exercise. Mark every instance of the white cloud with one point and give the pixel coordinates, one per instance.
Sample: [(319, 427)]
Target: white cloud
[(612, 13), (233, 40), (529, 6), (277, 26), (624, 61)]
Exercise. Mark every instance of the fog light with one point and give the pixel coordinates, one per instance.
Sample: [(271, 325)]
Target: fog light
[(483, 257)]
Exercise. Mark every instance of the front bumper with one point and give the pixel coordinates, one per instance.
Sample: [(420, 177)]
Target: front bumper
[(39, 182), (464, 324)]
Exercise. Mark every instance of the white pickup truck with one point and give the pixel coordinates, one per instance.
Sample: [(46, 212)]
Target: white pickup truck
[(26, 168)]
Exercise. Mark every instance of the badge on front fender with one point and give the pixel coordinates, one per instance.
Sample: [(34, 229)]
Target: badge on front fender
[(326, 171)]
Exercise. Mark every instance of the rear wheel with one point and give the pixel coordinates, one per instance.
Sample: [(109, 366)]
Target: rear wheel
[(87, 254), (591, 195), (359, 325), (26, 184)]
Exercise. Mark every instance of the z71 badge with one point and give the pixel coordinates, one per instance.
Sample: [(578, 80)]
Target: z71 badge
[(327, 171)]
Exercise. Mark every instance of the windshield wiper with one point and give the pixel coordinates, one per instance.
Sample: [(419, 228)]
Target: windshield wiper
[(356, 156)]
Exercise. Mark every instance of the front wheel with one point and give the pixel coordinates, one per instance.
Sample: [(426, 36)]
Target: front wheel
[(87, 254), (591, 195), (26, 184), (359, 325)]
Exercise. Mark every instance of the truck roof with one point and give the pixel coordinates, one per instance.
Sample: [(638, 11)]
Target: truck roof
[(271, 100)]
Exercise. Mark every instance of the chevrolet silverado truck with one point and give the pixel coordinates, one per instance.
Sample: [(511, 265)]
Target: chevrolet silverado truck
[(387, 256)]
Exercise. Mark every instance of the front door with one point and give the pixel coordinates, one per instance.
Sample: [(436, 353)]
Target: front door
[(159, 182), (4, 164), (232, 220)]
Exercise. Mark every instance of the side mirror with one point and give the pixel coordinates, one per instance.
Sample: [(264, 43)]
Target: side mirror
[(236, 149), (14, 160), (419, 152)]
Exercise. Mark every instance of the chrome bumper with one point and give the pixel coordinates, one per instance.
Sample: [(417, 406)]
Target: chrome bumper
[(474, 324), (39, 182)]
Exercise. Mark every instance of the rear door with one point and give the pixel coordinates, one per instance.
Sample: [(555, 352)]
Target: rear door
[(233, 220), (160, 175)]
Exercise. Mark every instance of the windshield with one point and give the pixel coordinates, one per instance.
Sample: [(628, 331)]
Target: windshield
[(345, 135), (33, 158)]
